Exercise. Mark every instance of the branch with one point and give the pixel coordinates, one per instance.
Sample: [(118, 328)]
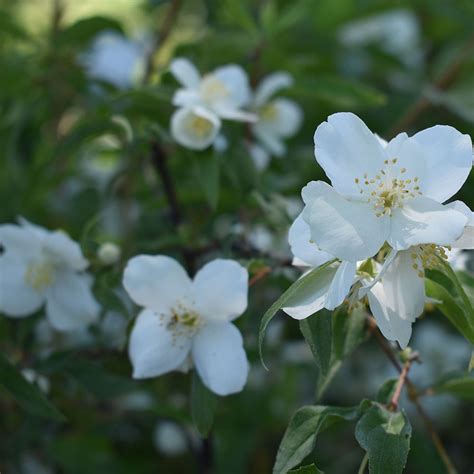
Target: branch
[(441, 84), (393, 405), (414, 398)]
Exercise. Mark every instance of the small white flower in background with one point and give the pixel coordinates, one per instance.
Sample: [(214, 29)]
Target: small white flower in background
[(188, 319), (34, 377), (169, 439), (389, 193), (115, 59), (42, 267), (278, 118), (109, 253), (204, 100)]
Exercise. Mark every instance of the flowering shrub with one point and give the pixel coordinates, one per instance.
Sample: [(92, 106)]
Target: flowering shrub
[(144, 315)]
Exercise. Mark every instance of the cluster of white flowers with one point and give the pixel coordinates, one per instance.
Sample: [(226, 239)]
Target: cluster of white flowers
[(385, 203), (225, 93)]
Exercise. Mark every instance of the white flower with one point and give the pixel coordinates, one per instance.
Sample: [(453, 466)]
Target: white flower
[(115, 59), (277, 118), (397, 295), (385, 194), (39, 266), (195, 128), (184, 317), (334, 283), (109, 253)]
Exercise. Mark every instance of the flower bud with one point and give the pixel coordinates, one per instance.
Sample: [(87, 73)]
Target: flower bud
[(109, 253)]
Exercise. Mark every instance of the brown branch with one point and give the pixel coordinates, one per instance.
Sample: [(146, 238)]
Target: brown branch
[(414, 398), (162, 36), (260, 274), (424, 102), (402, 379)]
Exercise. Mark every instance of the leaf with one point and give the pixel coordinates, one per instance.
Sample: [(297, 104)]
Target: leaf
[(317, 330), (461, 387), (208, 172), (28, 395), (451, 308), (203, 406), (386, 391), (309, 469), (84, 30), (385, 435), (471, 363), (299, 286), (304, 427)]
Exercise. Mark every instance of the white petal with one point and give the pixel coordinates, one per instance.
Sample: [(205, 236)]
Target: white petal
[(398, 299), (259, 155), (346, 149), (299, 238), (288, 118), (185, 72), (313, 298), (424, 221), (349, 230), (341, 285), (236, 81), (466, 241), (270, 85), (231, 113), (17, 299), (155, 350), (269, 139), (220, 358), (220, 290), (195, 128), (157, 282), (186, 98), (64, 250), (70, 303), (18, 240), (448, 156)]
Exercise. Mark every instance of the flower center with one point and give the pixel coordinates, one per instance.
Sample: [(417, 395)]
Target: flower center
[(184, 322), (199, 126), (40, 275), (268, 112), (388, 189), (427, 257), (213, 89)]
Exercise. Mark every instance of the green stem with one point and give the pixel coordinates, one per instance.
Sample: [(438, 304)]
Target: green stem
[(363, 464)]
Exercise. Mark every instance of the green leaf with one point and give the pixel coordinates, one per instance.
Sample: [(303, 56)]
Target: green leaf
[(297, 288), (309, 469), (84, 30), (461, 387), (28, 396), (300, 436), (471, 363), (203, 406), (385, 435), (386, 391), (208, 172), (451, 308), (317, 330)]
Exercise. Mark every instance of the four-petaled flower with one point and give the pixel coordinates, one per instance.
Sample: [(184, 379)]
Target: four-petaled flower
[(39, 266), (188, 320)]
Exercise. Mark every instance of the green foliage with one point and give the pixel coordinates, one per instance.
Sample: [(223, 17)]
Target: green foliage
[(203, 406), (460, 386)]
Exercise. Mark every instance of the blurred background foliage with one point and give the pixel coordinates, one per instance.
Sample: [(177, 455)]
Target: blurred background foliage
[(76, 129)]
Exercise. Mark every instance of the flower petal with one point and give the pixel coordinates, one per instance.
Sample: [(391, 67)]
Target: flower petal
[(270, 85), (220, 358), (220, 290), (346, 149), (424, 221), (341, 285), (153, 348), (259, 155), (185, 72), (349, 230), (62, 248), (448, 157), (288, 118), (17, 299), (269, 139), (236, 82), (70, 303), (308, 253), (18, 240), (398, 299), (231, 113), (466, 241), (313, 298), (195, 128), (157, 282)]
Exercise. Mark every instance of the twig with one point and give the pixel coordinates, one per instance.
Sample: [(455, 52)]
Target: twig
[(414, 398), (441, 84), (262, 273), (393, 405), (162, 36)]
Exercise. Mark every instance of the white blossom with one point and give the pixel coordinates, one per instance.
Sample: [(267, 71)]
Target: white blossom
[(278, 118), (391, 193), (109, 253), (186, 319), (41, 267)]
